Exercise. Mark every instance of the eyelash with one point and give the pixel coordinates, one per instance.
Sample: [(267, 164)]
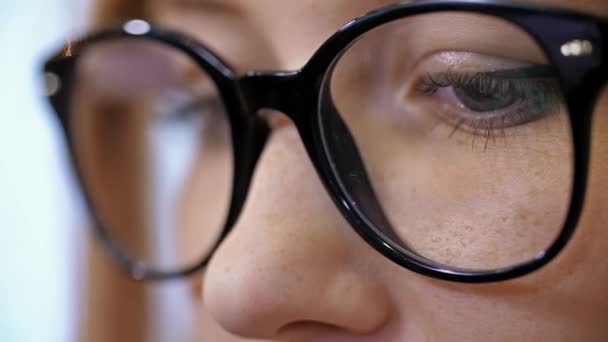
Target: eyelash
[(543, 91)]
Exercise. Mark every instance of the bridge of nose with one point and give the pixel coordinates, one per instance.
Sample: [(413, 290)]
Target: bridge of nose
[(281, 91)]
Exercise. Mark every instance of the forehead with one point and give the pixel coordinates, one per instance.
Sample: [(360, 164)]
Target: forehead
[(107, 11), (263, 30), (273, 24), (262, 6)]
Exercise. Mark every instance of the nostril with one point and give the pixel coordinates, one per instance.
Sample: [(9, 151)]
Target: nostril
[(305, 330), (318, 331)]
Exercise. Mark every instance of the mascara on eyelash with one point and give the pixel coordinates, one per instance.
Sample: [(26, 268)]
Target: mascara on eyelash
[(519, 79), (536, 88), (533, 71)]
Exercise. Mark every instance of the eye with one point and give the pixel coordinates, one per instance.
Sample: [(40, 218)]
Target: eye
[(496, 99), (181, 106)]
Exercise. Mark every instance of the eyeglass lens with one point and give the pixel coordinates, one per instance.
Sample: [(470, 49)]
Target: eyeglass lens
[(154, 147), (464, 136)]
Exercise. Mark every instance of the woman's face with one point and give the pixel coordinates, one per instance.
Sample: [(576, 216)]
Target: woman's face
[(293, 269)]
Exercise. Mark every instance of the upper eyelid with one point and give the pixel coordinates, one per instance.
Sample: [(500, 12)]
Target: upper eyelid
[(430, 85), (444, 79)]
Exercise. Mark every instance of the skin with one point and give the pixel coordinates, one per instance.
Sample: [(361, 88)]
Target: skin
[(293, 269)]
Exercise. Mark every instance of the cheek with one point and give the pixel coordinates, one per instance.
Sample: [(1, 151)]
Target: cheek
[(599, 166), (465, 200), (563, 301)]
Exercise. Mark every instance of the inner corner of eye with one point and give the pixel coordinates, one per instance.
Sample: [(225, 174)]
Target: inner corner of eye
[(416, 86)]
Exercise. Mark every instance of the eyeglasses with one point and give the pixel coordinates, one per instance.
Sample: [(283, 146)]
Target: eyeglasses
[(452, 135)]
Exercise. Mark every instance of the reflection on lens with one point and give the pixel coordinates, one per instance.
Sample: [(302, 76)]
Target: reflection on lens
[(153, 146), (466, 152)]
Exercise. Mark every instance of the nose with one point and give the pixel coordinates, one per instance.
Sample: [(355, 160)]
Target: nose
[(292, 266)]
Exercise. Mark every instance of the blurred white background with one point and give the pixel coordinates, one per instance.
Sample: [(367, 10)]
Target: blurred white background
[(38, 212), (42, 222)]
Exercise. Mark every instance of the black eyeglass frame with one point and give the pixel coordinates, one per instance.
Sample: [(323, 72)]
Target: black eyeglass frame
[(298, 95)]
